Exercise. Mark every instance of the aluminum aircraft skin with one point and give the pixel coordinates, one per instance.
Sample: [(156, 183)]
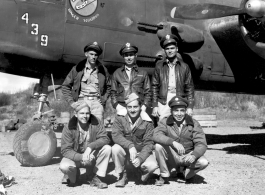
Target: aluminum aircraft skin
[(223, 41)]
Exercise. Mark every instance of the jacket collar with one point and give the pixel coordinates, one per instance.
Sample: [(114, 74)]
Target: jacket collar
[(188, 120), (176, 61), (72, 125), (165, 63), (81, 65)]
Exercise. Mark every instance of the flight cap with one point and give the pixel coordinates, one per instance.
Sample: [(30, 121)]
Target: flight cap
[(131, 97), (79, 105)]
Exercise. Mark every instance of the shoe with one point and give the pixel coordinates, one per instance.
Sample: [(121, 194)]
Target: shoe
[(161, 181), (97, 182), (72, 185), (122, 180), (173, 173), (2, 190), (7, 181), (145, 177), (65, 179)]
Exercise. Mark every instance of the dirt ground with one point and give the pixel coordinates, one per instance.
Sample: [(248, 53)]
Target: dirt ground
[(236, 151)]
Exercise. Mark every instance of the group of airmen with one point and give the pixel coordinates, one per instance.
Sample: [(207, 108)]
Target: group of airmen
[(174, 147)]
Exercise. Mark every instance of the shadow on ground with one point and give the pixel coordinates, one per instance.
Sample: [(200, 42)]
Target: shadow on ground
[(250, 144)]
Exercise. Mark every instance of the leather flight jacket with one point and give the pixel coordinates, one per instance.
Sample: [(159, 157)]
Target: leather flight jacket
[(184, 83), (72, 84), (121, 86)]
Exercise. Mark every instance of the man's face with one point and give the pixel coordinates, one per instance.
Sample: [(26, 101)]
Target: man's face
[(92, 57), (171, 51), (83, 115), (133, 108), (178, 113), (129, 58)]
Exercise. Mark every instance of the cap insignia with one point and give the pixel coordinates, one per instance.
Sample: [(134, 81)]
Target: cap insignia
[(176, 99), (168, 37), (95, 43), (128, 45)]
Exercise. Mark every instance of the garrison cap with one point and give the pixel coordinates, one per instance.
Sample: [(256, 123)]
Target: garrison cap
[(131, 97), (93, 46), (169, 39), (178, 101), (128, 47), (79, 105)]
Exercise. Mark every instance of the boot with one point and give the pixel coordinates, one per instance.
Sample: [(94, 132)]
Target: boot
[(122, 180), (97, 182)]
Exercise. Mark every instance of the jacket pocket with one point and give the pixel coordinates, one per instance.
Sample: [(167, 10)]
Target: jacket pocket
[(138, 136)]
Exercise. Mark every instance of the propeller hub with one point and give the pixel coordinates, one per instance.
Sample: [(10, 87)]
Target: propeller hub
[(255, 8)]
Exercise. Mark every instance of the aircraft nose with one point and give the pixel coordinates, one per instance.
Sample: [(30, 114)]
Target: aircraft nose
[(255, 8)]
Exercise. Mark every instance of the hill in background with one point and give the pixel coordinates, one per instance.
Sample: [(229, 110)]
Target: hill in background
[(227, 106)]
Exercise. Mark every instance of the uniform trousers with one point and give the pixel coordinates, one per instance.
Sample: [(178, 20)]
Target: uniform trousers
[(168, 159), (99, 164), (119, 157), (95, 107), (164, 110)]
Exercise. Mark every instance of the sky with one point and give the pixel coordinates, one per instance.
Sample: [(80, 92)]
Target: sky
[(12, 83)]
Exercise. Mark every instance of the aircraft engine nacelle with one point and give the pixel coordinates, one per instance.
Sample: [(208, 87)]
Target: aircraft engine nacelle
[(252, 26), (192, 39), (255, 8)]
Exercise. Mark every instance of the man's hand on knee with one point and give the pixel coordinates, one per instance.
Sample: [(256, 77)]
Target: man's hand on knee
[(136, 163), (86, 155), (179, 147), (155, 112), (189, 159), (189, 111), (133, 153)]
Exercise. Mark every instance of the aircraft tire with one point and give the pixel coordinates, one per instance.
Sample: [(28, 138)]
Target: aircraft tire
[(34, 146)]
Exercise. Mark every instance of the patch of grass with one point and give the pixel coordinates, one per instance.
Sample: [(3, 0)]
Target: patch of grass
[(3, 117), (60, 106), (229, 105), (5, 99), (3, 110)]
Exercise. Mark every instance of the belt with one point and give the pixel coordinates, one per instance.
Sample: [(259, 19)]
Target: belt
[(89, 98)]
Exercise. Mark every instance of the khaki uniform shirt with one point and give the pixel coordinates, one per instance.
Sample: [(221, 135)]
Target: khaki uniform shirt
[(89, 82), (172, 77)]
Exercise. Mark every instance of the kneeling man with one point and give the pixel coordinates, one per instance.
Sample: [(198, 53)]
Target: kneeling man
[(132, 135), (85, 144), (181, 143)]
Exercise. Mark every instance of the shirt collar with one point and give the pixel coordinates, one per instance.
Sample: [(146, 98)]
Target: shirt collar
[(175, 62), (130, 121), (134, 67), (89, 66)]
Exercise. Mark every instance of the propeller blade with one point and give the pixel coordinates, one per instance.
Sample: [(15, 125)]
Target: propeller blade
[(204, 11)]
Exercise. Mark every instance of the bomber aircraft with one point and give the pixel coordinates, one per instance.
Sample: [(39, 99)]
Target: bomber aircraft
[(223, 42)]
